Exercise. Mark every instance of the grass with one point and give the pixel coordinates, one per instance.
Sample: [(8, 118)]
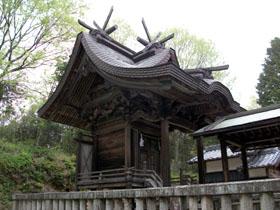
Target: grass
[(28, 168)]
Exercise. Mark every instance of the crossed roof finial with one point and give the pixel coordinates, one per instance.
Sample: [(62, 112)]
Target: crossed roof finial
[(151, 41), (104, 31)]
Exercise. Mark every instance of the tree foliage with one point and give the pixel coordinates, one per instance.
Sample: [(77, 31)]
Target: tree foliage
[(32, 129), (268, 87), (124, 33), (192, 51), (30, 31)]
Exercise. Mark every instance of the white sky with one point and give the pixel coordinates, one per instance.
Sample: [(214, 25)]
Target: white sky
[(240, 29)]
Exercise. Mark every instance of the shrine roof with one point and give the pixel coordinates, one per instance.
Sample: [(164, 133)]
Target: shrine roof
[(256, 158), (155, 68)]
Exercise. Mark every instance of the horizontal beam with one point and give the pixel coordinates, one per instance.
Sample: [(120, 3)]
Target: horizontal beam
[(242, 187)]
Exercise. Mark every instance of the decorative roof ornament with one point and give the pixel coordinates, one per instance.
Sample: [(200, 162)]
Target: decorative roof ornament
[(101, 31), (206, 73), (151, 42)]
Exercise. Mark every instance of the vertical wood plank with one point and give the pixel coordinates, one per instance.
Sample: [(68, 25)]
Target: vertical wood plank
[(19, 205), (184, 202), (127, 204), (267, 201), (22, 205), (151, 203), (163, 204), (200, 159), (109, 205), (127, 144), (75, 205), (226, 203), (61, 205), (176, 203), (82, 204), (68, 204), (90, 204), (43, 207), (55, 205), (207, 203), (244, 163), (98, 204), (118, 205), (139, 204), (224, 160), (193, 203), (38, 204), (94, 150), (27, 204), (14, 205), (33, 205), (165, 153), (48, 204), (246, 202), (135, 136)]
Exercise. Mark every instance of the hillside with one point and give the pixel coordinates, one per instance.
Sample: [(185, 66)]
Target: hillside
[(28, 168)]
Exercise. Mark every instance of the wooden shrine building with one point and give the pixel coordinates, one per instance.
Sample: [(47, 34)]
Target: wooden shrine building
[(128, 102), (248, 130)]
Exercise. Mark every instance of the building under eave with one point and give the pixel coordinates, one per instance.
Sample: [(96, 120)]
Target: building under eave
[(262, 164)]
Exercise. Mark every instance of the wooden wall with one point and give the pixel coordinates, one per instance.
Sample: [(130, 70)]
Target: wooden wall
[(111, 150), (110, 145)]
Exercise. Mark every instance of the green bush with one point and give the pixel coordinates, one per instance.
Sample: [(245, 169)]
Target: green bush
[(28, 168)]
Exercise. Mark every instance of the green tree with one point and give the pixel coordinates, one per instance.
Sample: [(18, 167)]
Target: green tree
[(124, 33), (268, 87), (192, 51), (31, 35)]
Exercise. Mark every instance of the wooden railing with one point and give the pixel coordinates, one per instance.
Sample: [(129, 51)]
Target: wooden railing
[(259, 194), (117, 178)]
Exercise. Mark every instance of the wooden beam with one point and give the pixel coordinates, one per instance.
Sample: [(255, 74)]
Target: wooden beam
[(244, 163), (127, 145), (201, 162), (224, 160), (165, 153), (233, 143), (135, 137)]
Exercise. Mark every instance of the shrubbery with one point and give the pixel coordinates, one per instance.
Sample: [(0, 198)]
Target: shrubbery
[(28, 168)]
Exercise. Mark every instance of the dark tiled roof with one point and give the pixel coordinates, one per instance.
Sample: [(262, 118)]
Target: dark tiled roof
[(123, 70), (264, 158), (256, 158)]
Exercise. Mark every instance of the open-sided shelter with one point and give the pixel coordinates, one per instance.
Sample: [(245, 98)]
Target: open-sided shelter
[(128, 102), (247, 130)]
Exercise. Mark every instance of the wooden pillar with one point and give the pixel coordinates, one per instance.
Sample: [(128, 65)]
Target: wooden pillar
[(109, 204), (95, 153), (201, 162), (226, 203), (267, 201), (246, 202), (244, 163), (127, 204), (127, 144), (193, 203), (151, 203), (139, 202), (165, 153), (207, 203), (224, 160), (163, 204), (135, 140)]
